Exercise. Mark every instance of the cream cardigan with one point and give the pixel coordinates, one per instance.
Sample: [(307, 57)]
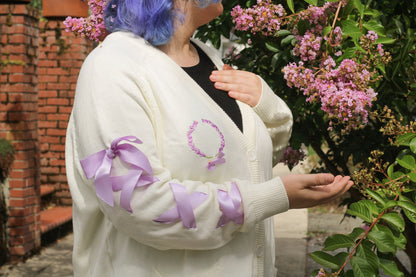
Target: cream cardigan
[(128, 88)]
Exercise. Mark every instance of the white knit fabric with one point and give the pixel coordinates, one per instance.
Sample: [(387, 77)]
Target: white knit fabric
[(128, 88)]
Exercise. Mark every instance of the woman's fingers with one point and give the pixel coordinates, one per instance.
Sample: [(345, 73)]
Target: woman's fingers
[(307, 190), (241, 85)]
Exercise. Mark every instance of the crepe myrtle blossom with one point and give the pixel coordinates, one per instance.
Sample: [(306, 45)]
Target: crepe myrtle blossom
[(92, 27), (263, 18), (344, 92)]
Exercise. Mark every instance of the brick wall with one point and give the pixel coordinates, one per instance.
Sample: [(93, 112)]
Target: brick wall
[(18, 123), (40, 63), (60, 59)]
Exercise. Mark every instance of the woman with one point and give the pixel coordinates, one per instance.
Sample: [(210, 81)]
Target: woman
[(169, 174)]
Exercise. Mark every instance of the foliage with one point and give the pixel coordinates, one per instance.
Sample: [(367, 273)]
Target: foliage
[(343, 149), (390, 190), (6, 158), (37, 4)]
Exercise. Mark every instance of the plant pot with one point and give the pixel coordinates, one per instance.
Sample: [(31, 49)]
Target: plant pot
[(64, 8)]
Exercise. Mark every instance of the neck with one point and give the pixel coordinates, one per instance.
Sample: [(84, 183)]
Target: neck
[(179, 47)]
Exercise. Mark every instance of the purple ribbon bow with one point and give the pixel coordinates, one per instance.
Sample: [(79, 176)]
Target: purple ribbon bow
[(218, 160), (229, 204), (185, 204), (101, 163)]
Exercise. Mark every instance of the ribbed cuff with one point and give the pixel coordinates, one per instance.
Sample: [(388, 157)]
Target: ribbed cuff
[(267, 103), (265, 200)]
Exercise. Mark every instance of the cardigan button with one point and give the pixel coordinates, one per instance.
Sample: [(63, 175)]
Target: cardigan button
[(260, 251), (251, 155)]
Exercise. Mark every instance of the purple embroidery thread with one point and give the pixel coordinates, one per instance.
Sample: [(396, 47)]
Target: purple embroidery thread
[(219, 157)]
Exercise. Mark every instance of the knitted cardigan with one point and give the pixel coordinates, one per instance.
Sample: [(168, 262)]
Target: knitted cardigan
[(203, 191)]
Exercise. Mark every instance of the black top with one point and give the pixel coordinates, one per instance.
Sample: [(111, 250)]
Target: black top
[(200, 73)]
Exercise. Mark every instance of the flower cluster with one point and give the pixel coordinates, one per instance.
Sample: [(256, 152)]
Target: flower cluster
[(292, 157), (344, 92), (343, 88), (92, 27), (264, 18)]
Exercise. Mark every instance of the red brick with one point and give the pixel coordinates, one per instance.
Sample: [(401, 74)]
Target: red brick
[(55, 132), (48, 109), (47, 93), (21, 211), (19, 38), (17, 183), (47, 63), (20, 78), (22, 192), (58, 148), (57, 101), (49, 139), (21, 164), (63, 124), (56, 71), (68, 79), (58, 117), (57, 178), (64, 110), (47, 124), (49, 170), (48, 78)]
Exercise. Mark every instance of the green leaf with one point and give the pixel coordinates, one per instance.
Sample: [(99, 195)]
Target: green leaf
[(390, 170), (364, 251), (312, 2), (361, 267), (411, 216), (350, 28), (360, 210), (390, 268), (272, 47), (291, 5), (394, 219), (407, 161), (287, 40), (405, 139), (356, 233), (375, 26), (341, 257), (326, 30), (338, 241), (409, 206), (283, 33), (382, 240), (413, 145), (412, 176), (371, 206), (385, 40), (325, 259), (360, 7), (390, 204)]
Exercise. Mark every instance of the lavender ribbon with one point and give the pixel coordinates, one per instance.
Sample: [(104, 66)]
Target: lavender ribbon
[(218, 160), (101, 163), (185, 204), (229, 204)]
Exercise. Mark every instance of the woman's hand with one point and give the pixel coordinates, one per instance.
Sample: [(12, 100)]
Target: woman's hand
[(308, 190), (241, 85)]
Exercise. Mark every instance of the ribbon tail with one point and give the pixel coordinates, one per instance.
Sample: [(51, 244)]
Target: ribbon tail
[(103, 185), (128, 188), (92, 163)]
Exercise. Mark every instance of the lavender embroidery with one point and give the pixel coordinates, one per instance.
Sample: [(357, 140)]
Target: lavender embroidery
[(212, 160)]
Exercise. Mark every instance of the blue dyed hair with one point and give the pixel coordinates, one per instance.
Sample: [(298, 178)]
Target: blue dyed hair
[(151, 19)]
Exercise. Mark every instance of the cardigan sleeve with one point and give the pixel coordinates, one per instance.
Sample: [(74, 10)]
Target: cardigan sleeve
[(277, 117), (110, 103)]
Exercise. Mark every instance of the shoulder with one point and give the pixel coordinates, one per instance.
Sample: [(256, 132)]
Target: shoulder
[(121, 52)]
